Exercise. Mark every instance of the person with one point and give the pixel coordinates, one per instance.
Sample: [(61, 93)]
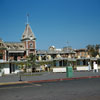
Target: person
[(46, 67), (89, 66), (41, 68), (95, 67)]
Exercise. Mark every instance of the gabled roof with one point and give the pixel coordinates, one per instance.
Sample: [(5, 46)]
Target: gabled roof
[(15, 46), (2, 45), (28, 34)]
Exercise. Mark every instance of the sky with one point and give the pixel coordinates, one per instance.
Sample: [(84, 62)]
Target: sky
[(58, 23)]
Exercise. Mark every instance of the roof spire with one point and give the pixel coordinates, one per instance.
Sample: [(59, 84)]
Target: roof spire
[(27, 18), (67, 43)]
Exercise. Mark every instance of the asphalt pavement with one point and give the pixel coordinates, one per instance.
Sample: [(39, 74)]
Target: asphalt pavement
[(82, 89)]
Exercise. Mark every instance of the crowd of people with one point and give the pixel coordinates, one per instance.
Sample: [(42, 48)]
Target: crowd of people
[(95, 67), (45, 67)]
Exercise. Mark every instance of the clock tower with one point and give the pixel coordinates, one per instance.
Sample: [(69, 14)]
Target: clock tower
[(29, 40)]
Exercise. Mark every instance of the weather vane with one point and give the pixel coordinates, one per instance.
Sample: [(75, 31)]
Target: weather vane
[(67, 43), (27, 18)]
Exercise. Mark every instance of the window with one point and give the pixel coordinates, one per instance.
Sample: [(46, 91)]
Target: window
[(1, 56), (8, 47), (31, 50), (23, 36), (1, 44)]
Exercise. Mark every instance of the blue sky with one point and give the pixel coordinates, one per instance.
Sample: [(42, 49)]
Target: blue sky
[(54, 22)]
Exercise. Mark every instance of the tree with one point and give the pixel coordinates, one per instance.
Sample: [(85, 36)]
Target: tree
[(93, 50), (97, 47), (31, 61)]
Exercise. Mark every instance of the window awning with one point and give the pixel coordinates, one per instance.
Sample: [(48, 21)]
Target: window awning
[(16, 51)]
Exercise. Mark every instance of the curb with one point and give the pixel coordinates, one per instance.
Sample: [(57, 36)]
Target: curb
[(13, 83), (62, 79), (50, 80)]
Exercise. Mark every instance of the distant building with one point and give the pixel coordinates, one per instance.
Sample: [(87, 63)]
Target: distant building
[(58, 56), (66, 56), (81, 53), (66, 52)]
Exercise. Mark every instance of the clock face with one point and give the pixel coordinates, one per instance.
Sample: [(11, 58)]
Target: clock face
[(31, 45)]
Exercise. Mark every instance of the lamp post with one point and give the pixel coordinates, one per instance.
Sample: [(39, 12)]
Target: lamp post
[(20, 77)]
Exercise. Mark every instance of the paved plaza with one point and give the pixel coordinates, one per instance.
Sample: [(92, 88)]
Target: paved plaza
[(37, 76)]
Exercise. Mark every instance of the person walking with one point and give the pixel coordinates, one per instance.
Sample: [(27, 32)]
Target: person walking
[(48, 67), (89, 66), (95, 67)]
